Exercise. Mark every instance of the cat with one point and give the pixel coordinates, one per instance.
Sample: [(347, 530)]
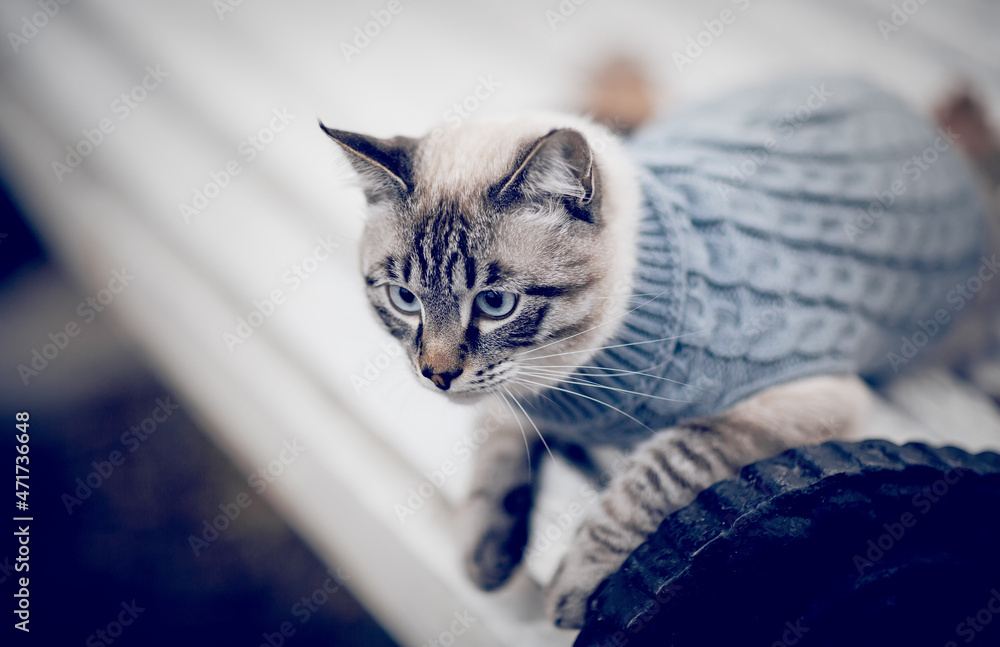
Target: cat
[(723, 286)]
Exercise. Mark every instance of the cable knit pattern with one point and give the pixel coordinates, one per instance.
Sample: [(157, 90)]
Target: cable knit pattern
[(758, 264)]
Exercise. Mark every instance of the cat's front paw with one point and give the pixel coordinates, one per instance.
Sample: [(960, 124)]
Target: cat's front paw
[(494, 537), (578, 576), (490, 562)]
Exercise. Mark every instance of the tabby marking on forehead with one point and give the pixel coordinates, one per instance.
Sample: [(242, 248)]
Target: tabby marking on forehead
[(524, 211)]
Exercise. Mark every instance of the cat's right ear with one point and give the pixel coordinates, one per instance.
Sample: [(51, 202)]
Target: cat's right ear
[(561, 165), (385, 165)]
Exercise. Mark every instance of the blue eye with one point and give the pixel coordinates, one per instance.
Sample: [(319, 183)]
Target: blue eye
[(404, 300), (496, 304)]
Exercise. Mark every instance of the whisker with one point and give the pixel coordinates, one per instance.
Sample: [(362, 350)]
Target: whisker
[(582, 382), (521, 407), (630, 295), (604, 323), (591, 367), (615, 372), (537, 392), (632, 343), (562, 375), (527, 450), (556, 388)]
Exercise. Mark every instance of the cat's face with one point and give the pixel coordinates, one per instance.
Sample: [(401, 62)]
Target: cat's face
[(492, 270)]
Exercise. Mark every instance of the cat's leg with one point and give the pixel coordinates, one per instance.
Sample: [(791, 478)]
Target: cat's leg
[(669, 470), (493, 521)]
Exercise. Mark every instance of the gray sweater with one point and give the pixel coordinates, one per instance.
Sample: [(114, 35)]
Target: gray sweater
[(788, 231)]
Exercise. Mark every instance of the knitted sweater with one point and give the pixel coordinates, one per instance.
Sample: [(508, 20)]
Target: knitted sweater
[(788, 231)]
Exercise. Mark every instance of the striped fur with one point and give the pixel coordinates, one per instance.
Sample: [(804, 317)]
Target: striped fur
[(546, 207), (534, 206), (525, 206), (668, 471)]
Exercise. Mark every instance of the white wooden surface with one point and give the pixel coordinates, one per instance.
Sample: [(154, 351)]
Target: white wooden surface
[(292, 379)]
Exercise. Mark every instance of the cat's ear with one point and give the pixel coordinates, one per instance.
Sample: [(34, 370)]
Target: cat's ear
[(385, 165), (560, 165)]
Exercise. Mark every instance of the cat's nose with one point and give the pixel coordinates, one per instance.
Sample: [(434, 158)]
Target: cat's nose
[(441, 380)]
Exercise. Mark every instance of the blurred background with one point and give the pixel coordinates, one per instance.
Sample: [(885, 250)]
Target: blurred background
[(127, 539), (180, 315)]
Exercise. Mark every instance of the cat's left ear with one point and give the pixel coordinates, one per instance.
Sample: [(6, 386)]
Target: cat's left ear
[(560, 165), (385, 165)]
